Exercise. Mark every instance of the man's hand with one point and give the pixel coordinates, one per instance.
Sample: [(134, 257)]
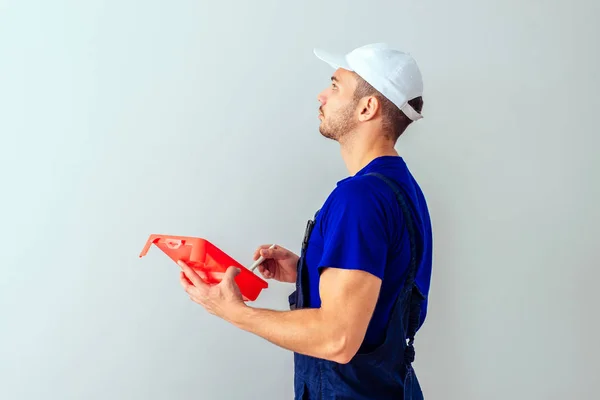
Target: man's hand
[(280, 263), (333, 331), (223, 300)]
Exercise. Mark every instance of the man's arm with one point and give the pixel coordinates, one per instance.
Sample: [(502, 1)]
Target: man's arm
[(334, 331)]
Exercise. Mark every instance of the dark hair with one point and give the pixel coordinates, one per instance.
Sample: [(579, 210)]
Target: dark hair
[(394, 121)]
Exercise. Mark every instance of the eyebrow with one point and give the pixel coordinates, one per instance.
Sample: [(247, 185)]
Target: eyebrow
[(334, 79)]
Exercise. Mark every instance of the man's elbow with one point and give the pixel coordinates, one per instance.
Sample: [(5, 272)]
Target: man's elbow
[(343, 348), (344, 357)]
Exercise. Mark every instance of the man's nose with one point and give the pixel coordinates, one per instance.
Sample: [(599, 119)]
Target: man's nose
[(321, 98)]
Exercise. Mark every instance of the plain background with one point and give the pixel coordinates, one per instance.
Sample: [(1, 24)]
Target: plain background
[(121, 119)]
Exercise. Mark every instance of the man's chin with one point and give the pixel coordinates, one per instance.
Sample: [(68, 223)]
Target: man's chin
[(326, 134)]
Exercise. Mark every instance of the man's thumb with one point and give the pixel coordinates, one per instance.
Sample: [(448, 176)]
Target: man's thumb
[(231, 273), (268, 253)]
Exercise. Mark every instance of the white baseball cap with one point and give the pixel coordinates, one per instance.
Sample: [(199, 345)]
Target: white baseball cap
[(393, 73)]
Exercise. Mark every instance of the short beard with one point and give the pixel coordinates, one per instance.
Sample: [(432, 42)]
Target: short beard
[(340, 125)]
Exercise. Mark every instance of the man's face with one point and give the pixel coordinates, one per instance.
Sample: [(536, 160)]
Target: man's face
[(338, 106)]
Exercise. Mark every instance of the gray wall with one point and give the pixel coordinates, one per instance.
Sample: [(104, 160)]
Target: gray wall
[(121, 119)]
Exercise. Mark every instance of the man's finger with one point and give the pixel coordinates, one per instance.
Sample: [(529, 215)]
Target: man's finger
[(259, 251), (265, 272), (192, 276), (185, 282), (267, 253), (230, 274)]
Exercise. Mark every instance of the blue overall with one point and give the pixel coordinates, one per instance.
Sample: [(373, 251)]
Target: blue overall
[(382, 373)]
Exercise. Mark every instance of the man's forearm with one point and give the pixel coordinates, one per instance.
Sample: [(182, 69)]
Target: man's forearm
[(305, 331)]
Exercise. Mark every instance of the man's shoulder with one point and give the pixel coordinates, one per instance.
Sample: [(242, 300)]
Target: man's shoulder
[(356, 186), (359, 192), (364, 198)]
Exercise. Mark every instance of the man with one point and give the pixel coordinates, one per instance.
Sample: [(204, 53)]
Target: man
[(363, 274)]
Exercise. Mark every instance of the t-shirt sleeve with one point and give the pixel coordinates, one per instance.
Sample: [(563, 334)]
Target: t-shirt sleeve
[(354, 230)]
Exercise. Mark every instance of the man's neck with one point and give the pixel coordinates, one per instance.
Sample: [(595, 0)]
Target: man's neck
[(358, 151)]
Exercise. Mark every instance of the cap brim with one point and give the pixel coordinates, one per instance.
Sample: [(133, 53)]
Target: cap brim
[(334, 60)]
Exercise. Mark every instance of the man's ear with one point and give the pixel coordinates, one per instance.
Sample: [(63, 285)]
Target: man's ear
[(368, 108)]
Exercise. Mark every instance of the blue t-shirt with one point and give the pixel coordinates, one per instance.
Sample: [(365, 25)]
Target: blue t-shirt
[(361, 226)]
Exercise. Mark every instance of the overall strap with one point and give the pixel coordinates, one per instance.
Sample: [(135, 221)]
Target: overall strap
[(297, 298), (416, 296), (308, 231)]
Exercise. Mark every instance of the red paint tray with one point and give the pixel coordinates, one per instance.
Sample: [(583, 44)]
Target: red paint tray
[(201, 255)]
